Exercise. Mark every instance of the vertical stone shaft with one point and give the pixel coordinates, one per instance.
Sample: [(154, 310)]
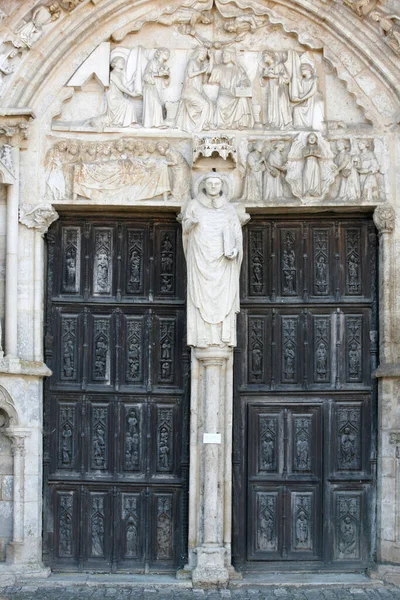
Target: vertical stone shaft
[(11, 283)]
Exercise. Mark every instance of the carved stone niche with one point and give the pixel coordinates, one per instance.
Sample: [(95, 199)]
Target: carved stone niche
[(217, 152)]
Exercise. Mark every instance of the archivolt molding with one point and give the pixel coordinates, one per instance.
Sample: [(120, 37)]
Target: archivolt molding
[(351, 45)]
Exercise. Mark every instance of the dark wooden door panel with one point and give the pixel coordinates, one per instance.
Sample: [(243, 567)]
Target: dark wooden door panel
[(304, 425), (116, 407)]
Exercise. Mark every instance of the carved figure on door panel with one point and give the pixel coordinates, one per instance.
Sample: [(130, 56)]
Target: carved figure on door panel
[(302, 452), (302, 529), (322, 361), (274, 78), (195, 111), (347, 536), (268, 452), (212, 240), (289, 357), (348, 447), (66, 445), (233, 108), (155, 78)]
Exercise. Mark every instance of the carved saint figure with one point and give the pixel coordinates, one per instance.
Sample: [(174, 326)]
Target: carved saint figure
[(275, 169), (155, 78), (54, 171), (289, 356), (195, 111), (212, 239), (233, 111), (99, 446), (348, 172), (308, 110), (179, 170), (348, 447), (322, 361), (97, 535), (66, 445), (302, 452), (68, 359), (9, 52), (368, 169), (274, 77), (120, 111), (268, 452), (312, 169), (390, 26), (255, 165), (348, 536), (302, 529), (354, 360), (321, 274), (266, 531), (131, 537)]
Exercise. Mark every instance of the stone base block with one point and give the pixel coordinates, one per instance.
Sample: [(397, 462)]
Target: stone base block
[(387, 573), (211, 570)]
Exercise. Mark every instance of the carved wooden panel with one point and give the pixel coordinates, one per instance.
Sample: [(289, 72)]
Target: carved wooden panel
[(304, 456), (117, 406)]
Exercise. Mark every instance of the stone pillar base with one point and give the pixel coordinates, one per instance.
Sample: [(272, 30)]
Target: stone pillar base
[(211, 570), (387, 573)]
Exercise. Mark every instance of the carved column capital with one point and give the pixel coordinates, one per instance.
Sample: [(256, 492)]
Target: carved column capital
[(17, 436), (38, 216), (385, 218), (14, 125)]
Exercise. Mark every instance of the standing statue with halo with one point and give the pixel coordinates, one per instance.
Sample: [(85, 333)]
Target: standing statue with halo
[(212, 240)]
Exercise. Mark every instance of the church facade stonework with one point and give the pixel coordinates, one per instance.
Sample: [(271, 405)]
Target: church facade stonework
[(199, 289)]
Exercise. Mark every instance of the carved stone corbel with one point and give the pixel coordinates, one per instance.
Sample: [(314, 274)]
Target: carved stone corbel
[(38, 216)]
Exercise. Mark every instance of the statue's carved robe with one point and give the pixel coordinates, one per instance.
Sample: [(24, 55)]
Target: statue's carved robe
[(213, 279)]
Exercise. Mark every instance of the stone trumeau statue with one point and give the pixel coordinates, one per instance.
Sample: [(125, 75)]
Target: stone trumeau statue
[(212, 239)]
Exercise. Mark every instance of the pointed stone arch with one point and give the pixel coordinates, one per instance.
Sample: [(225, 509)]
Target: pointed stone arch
[(8, 412)]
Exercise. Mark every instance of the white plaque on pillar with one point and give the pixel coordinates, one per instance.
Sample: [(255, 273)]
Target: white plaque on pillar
[(211, 438)]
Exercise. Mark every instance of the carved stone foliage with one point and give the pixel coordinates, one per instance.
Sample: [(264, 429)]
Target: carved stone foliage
[(38, 216), (347, 527), (266, 533), (348, 427), (385, 218), (164, 532)]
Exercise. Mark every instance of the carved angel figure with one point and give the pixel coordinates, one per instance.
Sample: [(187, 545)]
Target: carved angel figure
[(242, 24), (308, 109), (274, 77), (212, 240), (310, 167), (349, 177), (120, 111), (233, 111), (255, 165), (390, 25), (275, 171), (180, 172), (155, 78), (195, 111), (30, 32)]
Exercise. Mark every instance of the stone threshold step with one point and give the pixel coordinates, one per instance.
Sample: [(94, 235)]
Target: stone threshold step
[(258, 580)]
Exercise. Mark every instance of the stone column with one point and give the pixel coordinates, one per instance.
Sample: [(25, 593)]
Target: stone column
[(15, 548), (11, 279), (210, 466)]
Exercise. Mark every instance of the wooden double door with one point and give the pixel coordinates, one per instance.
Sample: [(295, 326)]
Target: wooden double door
[(117, 405), (304, 422)]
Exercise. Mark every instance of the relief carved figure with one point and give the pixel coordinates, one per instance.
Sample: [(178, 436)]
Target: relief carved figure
[(179, 170), (195, 111), (119, 110), (369, 170), (155, 78), (347, 164), (390, 26), (275, 171), (7, 53), (310, 167), (308, 109), (233, 108), (253, 179), (31, 31), (55, 179), (274, 78), (212, 239)]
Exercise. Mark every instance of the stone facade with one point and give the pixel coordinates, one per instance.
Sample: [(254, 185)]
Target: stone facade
[(122, 105)]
